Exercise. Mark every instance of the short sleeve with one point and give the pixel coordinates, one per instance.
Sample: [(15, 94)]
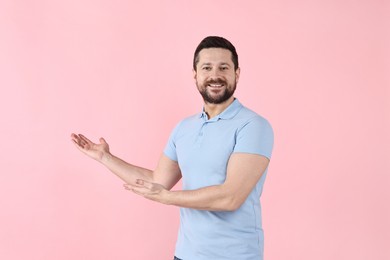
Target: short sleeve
[(170, 148), (256, 137)]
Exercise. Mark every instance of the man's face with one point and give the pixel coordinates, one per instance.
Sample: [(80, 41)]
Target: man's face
[(215, 76)]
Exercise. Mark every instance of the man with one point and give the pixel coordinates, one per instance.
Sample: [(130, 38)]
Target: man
[(222, 154)]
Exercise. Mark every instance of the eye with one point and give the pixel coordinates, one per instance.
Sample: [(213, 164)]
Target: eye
[(206, 68), (224, 68)]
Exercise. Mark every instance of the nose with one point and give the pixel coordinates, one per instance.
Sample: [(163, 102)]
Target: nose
[(215, 73)]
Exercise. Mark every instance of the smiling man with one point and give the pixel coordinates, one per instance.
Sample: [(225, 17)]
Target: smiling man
[(221, 155)]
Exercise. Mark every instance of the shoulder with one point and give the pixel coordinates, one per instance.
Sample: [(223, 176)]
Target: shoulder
[(255, 134), (188, 121), (250, 118), (185, 124)]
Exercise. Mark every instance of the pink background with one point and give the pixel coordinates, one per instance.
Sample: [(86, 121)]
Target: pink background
[(318, 70)]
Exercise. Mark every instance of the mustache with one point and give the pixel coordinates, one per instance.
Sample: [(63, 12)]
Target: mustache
[(216, 81)]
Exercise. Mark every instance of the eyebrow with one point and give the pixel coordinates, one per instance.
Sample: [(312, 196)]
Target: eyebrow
[(209, 63)]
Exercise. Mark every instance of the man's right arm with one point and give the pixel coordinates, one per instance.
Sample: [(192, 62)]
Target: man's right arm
[(167, 172)]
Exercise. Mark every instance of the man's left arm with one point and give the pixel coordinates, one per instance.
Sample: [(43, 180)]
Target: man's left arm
[(244, 170)]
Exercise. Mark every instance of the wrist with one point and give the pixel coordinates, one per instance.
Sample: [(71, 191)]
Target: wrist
[(167, 197), (106, 158)]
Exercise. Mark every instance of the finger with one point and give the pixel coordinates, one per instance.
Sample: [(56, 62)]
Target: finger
[(131, 187), (143, 183), (76, 139), (139, 182), (78, 146), (127, 187), (140, 191), (84, 143), (80, 143), (76, 143), (85, 139), (137, 192)]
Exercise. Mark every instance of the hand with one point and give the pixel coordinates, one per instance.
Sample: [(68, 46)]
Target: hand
[(95, 151), (149, 190)]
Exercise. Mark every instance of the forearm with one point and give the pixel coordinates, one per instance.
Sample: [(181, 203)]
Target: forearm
[(212, 198), (244, 172), (127, 172)]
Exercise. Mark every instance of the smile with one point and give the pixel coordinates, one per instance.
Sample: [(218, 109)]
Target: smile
[(215, 85)]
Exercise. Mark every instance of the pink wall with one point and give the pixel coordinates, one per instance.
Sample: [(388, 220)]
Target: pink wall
[(318, 70)]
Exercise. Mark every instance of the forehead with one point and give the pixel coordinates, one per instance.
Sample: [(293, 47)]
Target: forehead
[(215, 55)]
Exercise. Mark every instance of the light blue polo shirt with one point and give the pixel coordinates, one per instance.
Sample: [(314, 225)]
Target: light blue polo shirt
[(202, 149)]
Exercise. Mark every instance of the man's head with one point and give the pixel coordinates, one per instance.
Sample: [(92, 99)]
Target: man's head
[(216, 42), (216, 70)]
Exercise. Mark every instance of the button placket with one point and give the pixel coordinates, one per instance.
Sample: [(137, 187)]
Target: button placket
[(199, 138)]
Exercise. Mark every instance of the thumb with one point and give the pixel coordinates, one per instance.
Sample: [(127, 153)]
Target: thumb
[(144, 183), (102, 141)]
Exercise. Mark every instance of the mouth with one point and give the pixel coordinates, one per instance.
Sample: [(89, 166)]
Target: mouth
[(215, 85)]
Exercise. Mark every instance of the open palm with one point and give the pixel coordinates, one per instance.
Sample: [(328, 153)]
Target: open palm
[(93, 150)]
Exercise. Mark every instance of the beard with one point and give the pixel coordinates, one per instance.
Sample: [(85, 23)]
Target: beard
[(212, 98)]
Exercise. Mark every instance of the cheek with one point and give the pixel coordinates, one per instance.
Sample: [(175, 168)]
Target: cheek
[(200, 79)]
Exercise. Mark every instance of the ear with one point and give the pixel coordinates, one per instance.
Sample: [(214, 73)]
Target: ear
[(194, 74), (238, 70)]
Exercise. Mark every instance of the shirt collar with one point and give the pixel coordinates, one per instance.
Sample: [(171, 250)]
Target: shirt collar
[(228, 113)]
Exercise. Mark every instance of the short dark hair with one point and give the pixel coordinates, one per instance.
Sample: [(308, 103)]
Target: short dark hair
[(216, 42)]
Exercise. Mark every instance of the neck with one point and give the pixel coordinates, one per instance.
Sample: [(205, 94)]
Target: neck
[(213, 110)]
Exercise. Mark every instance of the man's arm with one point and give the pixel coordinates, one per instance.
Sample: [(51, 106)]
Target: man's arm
[(167, 172), (243, 172)]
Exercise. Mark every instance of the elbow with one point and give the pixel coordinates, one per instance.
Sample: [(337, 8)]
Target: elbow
[(227, 200), (232, 203)]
